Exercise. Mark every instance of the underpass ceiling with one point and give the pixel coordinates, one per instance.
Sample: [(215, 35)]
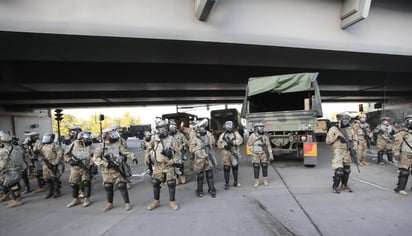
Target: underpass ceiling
[(43, 70)]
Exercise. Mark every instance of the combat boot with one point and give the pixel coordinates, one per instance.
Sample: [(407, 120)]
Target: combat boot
[(256, 183), (127, 206), (361, 163), (14, 203), (5, 197), (73, 203), (40, 189), (237, 184), (345, 188), (155, 204), (265, 181), (403, 192), (27, 190), (86, 202), (174, 206), (108, 207), (182, 179)]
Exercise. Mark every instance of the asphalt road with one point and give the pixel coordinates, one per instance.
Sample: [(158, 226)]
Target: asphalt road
[(298, 201)]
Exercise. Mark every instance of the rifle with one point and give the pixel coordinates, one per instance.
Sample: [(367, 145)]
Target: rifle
[(50, 166), (169, 153), (230, 145), (116, 165), (386, 134), (351, 147), (366, 136), (265, 149), (80, 164)]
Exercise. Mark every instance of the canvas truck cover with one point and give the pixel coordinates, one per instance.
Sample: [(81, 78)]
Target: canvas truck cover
[(288, 83)]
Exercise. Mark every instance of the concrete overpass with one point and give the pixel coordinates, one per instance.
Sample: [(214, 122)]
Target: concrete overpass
[(71, 54)]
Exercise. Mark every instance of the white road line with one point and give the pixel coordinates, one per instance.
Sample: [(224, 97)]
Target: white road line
[(372, 184)]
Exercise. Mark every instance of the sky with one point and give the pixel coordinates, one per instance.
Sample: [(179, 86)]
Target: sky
[(148, 114)]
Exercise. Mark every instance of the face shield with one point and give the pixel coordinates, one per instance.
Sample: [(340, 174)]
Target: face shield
[(48, 138), (228, 126)]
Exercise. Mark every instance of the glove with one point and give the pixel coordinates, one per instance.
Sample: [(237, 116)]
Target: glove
[(341, 139), (109, 165), (36, 152), (135, 161), (72, 162), (168, 152), (271, 158), (226, 147)]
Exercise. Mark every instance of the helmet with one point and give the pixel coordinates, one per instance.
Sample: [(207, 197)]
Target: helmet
[(85, 137), (172, 127), (163, 128), (26, 141), (201, 130), (5, 136), (114, 127), (259, 127), (33, 135), (48, 138), (344, 119), (111, 135), (228, 126), (362, 116), (385, 118), (147, 136), (408, 121)]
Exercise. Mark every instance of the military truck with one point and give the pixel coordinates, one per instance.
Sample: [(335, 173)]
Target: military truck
[(179, 117), (138, 130), (289, 106), (218, 118)]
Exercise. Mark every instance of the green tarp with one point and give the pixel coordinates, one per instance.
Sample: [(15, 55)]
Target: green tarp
[(281, 83)]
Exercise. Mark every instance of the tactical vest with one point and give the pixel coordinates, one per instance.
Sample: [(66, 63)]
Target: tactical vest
[(258, 143), (160, 146), (15, 160), (408, 139), (81, 152)]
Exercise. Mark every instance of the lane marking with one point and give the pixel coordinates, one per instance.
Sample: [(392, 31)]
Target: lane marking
[(372, 184)]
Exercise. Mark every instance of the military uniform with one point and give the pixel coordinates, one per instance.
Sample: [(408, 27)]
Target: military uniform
[(229, 141), (338, 137), (11, 166), (51, 155), (183, 143), (36, 144), (384, 141), (108, 156), (201, 147), (259, 145), (403, 154), (77, 152), (364, 134), (165, 152)]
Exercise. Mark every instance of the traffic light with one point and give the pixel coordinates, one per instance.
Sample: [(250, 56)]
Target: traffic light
[(58, 114), (361, 107)]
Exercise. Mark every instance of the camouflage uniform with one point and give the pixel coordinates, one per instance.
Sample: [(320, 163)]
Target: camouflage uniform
[(78, 173), (201, 146), (108, 156), (403, 154), (229, 141), (384, 141), (259, 145), (51, 155), (36, 145), (363, 132), (11, 166), (165, 151), (183, 143), (341, 160)]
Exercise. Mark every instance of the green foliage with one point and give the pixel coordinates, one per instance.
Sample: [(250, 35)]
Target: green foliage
[(93, 124)]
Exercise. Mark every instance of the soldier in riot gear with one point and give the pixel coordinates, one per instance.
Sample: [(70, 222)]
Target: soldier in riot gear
[(339, 137), (259, 145), (165, 151), (201, 147), (80, 151), (384, 141), (51, 155), (123, 142), (229, 141), (34, 143), (111, 156), (362, 129), (403, 153), (27, 159), (147, 158), (183, 143), (11, 166)]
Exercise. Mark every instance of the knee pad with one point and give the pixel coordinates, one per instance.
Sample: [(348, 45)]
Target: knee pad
[(155, 182), (171, 183), (339, 172), (256, 165), (209, 173), (108, 187), (86, 182), (200, 175), (264, 165), (347, 169), (380, 153), (122, 186), (74, 185), (403, 172), (226, 168)]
